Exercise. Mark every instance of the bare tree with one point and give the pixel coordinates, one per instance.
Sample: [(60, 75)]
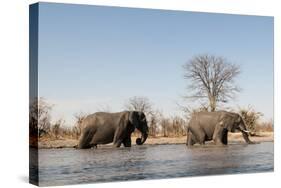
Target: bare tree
[(39, 117), (154, 119), (141, 104), (179, 126), (78, 125), (165, 124), (104, 108), (56, 128), (212, 78), (189, 111)]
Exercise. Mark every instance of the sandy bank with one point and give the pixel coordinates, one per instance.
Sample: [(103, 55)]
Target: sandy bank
[(232, 137)]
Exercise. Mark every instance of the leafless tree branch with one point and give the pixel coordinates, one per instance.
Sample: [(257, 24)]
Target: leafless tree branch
[(212, 78)]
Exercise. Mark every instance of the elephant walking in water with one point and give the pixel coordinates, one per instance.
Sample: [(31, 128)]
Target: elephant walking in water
[(206, 126), (104, 128)]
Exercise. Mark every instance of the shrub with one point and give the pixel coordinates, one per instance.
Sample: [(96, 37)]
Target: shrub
[(250, 117), (77, 129), (56, 128), (39, 117), (265, 127)]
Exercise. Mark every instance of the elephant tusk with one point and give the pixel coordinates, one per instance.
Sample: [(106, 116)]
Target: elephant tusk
[(245, 131)]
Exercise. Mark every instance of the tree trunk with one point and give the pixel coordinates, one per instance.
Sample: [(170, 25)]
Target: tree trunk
[(212, 104)]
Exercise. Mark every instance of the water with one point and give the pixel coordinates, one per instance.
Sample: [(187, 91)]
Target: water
[(71, 166)]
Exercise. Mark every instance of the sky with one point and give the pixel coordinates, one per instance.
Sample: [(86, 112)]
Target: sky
[(93, 58)]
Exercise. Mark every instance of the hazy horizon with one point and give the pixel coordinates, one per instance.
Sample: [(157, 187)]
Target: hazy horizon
[(94, 57)]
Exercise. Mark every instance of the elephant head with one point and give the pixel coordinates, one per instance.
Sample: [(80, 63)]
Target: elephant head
[(236, 122), (138, 119)]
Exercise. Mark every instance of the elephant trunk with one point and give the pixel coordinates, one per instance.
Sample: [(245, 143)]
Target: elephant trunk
[(140, 141), (243, 128), (245, 133)]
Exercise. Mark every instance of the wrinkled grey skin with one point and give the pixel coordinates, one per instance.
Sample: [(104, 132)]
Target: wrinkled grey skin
[(207, 126), (105, 128)]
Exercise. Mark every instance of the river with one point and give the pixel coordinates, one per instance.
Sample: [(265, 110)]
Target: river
[(71, 166)]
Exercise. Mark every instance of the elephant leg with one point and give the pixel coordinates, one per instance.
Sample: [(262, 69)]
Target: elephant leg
[(218, 135), (190, 140), (83, 146), (200, 137), (202, 141), (246, 138), (117, 143), (118, 137), (127, 142), (224, 136), (187, 139), (84, 142)]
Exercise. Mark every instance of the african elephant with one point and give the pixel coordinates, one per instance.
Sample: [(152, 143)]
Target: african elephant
[(206, 126), (104, 128)]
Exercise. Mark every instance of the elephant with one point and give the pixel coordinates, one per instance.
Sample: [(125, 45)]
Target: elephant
[(207, 126), (105, 128)]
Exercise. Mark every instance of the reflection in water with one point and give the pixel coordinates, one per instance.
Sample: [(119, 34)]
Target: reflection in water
[(70, 166)]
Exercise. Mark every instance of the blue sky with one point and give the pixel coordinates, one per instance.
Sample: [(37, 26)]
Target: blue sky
[(93, 57)]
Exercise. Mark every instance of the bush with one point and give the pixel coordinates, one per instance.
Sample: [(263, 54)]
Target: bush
[(265, 127), (78, 126), (56, 128), (173, 127), (39, 117), (250, 117)]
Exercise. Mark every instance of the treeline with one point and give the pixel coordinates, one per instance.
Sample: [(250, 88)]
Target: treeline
[(40, 124), (159, 125)]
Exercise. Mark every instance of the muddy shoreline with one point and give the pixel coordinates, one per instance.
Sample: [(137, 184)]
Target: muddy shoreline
[(232, 137)]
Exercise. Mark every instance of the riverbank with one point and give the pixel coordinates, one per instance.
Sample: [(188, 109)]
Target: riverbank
[(232, 137)]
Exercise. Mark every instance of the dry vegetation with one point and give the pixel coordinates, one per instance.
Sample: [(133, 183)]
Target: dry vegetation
[(163, 130), (251, 119)]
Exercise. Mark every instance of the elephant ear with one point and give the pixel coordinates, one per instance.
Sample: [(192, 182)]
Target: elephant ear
[(229, 122), (131, 118), (238, 119), (142, 116)]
